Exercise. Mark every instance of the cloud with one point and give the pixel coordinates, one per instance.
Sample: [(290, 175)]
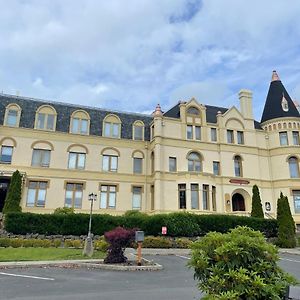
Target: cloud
[(105, 53)]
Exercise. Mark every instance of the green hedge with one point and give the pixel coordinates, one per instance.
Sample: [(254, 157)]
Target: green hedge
[(178, 224)]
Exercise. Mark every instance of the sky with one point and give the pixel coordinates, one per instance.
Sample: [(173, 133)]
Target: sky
[(131, 55)]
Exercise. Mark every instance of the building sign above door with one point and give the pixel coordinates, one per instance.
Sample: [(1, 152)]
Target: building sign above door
[(239, 181)]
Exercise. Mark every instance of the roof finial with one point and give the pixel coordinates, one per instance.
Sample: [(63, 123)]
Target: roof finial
[(275, 76), (157, 111)]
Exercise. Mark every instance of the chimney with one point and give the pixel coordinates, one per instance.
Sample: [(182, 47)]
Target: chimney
[(245, 97)]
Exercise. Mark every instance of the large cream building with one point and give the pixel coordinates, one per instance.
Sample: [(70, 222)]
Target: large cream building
[(194, 157)]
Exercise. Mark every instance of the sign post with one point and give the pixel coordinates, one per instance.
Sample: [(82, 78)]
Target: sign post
[(139, 238), (164, 230)]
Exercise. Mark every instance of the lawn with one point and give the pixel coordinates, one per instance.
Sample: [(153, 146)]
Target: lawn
[(23, 254)]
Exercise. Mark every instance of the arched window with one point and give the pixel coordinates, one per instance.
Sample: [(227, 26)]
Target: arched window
[(7, 146), (112, 126), (194, 162), (77, 156), (138, 131), (138, 157), (193, 111), (41, 153), (45, 118), (193, 128), (294, 167), (110, 158), (80, 122), (238, 169), (12, 115)]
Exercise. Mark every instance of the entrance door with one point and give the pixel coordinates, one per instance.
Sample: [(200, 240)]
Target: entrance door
[(4, 183), (238, 202)]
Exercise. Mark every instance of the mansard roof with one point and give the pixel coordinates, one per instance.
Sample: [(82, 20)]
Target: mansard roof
[(29, 107), (278, 103)]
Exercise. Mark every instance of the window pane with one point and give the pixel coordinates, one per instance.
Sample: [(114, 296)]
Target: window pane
[(198, 132), (136, 197), (84, 127), (294, 167), (70, 186), (105, 163), (107, 129), (205, 197), (31, 197), (45, 158), (115, 130), (50, 122), (81, 160), (138, 132), (12, 117), (213, 134), (296, 196), (41, 198), (78, 198), (43, 185), (33, 184), (182, 195), (172, 164), (296, 137), (75, 125), (189, 132), (194, 196), (216, 168), (229, 136), (41, 121), (240, 137), (283, 138), (103, 199), (112, 200), (6, 154), (68, 199), (137, 165), (197, 166), (190, 165), (113, 163), (237, 167), (72, 160)]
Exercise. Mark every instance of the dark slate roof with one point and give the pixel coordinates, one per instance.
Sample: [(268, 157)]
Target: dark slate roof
[(273, 107), (64, 112), (211, 114)]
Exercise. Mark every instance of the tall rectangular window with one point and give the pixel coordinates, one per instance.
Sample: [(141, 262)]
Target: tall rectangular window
[(108, 196), (79, 126), (214, 199), (198, 133), (213, 134), (296, 196), (12, 117), (283, 138), (40, 158), (240, 137), (182, 195), (6, 154), (189, 132), (110, 163), (137, 165), (194, 196), (73, 197), (205, 197), (136, 197), (230, 136), (76, 160), (36, 195), (138, 132), (45, 121), (172, 164), (296, 138), (216, 168), (111, 129)]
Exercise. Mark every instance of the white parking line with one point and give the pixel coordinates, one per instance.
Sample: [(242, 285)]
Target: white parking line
[(26, 276), (184, 257), (292, 260)]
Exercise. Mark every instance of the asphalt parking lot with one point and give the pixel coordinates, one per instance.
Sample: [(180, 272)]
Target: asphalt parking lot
[(174, 282)]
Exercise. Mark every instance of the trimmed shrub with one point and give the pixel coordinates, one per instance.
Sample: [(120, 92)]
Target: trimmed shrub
[(101, 245), (64, 210), (118, 240), (16, 243), (4, 242), (56, 243), (238, 265), (13, 197), (156, 242), (257, 210), (183, 243), (286, 224)]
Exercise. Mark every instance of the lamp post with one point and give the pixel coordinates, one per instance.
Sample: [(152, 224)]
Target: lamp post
[(88, 245)]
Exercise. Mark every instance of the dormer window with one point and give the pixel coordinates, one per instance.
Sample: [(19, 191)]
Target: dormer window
[(12, 115), (112, 126), (80, 122), (138, 131), (45, 118), (193, 128)]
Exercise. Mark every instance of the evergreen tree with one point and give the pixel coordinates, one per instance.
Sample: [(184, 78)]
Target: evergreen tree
[(286, 224), (257, 210), (13, 197)]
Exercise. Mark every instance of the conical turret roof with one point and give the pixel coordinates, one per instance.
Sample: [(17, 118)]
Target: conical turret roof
[(279, 103)]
